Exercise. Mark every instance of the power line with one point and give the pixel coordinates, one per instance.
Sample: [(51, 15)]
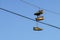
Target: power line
[(28, 18), (39, 7)]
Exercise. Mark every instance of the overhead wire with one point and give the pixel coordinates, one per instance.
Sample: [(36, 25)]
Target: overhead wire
[(39, 7), (28, 17)]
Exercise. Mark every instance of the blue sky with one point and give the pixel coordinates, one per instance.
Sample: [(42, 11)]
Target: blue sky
[(13, 27)]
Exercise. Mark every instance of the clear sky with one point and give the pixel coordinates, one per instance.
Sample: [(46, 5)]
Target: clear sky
[(13, 27)]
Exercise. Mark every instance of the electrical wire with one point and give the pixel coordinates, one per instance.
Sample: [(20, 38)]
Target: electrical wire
[(28, 18), (39, 7)]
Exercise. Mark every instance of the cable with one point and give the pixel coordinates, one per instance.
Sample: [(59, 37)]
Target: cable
[(39, 7), (28, 18)]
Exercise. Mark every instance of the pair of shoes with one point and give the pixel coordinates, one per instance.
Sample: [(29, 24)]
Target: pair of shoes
[(37, 29), (39, 18), (39, 13)]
